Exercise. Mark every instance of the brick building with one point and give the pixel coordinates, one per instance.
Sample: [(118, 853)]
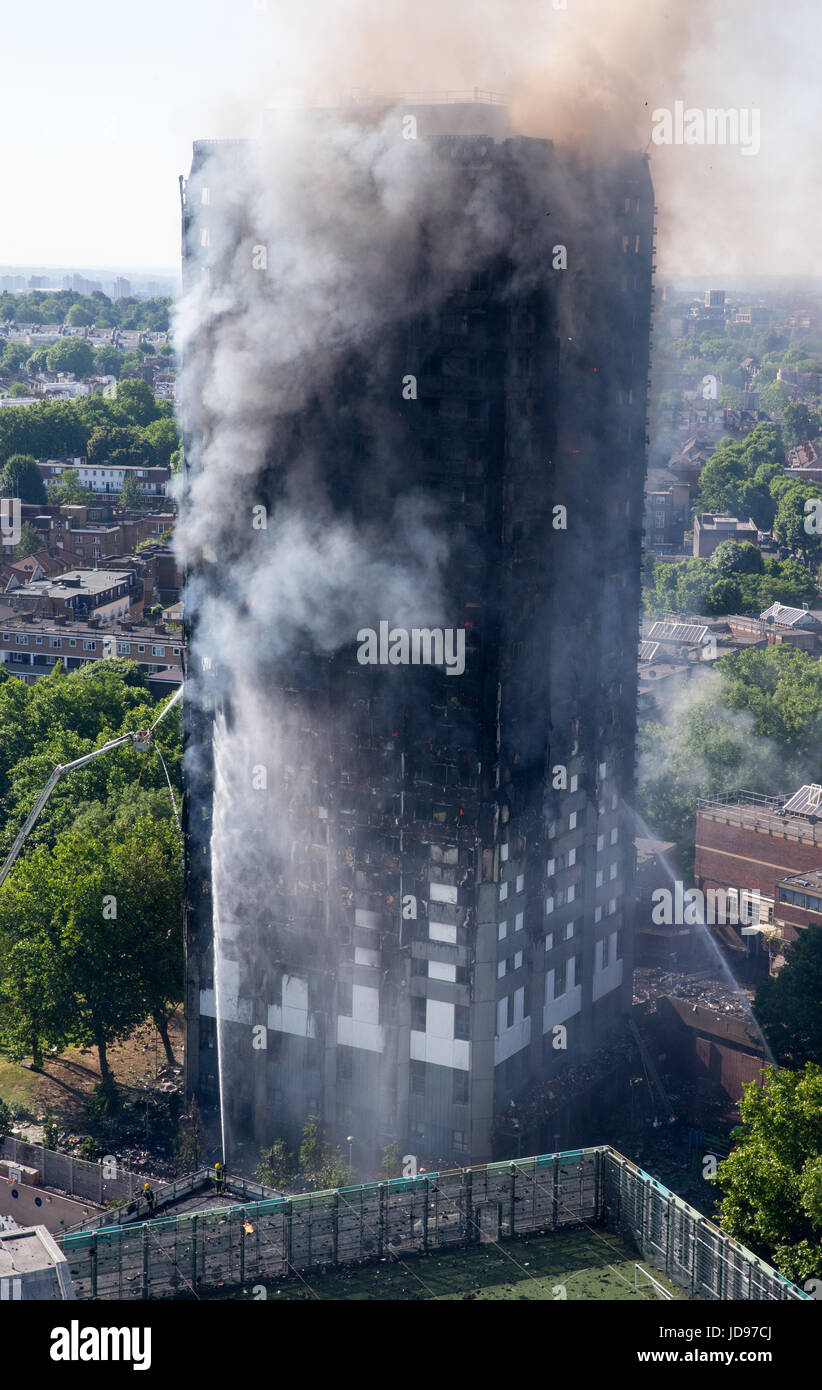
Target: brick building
[(666, 517), (799, 900), (711, 530), (750, 841), (30, 647)]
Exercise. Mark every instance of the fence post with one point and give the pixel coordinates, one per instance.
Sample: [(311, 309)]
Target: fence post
[(513, 1228), (669, 1234), (467, 1203), (194, 1251), (101, 1182), (425, 1215), (380, 1222), (335, 1227), (288, 1247)]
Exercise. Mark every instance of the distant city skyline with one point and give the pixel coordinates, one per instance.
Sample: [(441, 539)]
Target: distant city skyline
[(54, 275)]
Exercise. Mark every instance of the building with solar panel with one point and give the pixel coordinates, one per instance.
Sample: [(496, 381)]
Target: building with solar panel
[(453, 923), (747, 841)]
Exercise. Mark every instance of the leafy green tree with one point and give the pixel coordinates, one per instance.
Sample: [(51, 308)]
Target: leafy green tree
[(30, 541), (724, 596), (71, 355), (190, 1140), (135, 403), (20, 477), (789, 523), (131, 493), (12, 358), (105, 952), (69, 491), (108, 360), (784, 581), (324, 1168), (87, 958), (753, 720), (116, 446), (693, 583), (146, 873), (160, 440), (789, 1005), (772, 1181), (79, 317), (735, 479), (132, 362), (391, 1161), (774, 397), (5, 1120), (737, 557), (110, 822), (277, 1167), (796, 421)]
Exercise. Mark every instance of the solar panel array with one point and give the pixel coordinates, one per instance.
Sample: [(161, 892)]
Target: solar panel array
[(786, 617), (648, 650), (806, 801), (678, 632)]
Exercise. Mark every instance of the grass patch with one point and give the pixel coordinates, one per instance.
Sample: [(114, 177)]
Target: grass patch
[(580, 1265)]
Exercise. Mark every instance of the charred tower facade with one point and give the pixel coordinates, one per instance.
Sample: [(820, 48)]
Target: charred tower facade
[(444, 914)]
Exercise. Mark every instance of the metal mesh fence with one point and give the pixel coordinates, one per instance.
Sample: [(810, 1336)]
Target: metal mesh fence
[(268, 1240), (676, 1239), (74, 1176)]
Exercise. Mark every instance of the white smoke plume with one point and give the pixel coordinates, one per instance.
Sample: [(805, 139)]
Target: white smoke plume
[(320, 239)]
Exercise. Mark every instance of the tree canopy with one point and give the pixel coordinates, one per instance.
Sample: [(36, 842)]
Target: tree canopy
[(736, 478), (69, 491), (789, 1005), (30, 541), (91, 913), (70, 355), (702, 586), (50, 306), (89, 425), (20, 477), (772, 1181), (753, 719), (790, 522)]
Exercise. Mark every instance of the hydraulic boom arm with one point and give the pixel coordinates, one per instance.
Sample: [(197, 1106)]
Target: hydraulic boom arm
[(58, 772), (141, 742)]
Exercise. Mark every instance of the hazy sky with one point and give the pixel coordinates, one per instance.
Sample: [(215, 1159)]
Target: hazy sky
[(100, 104)]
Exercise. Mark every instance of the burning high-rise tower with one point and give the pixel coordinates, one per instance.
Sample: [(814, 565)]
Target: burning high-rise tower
[(415, 365)]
